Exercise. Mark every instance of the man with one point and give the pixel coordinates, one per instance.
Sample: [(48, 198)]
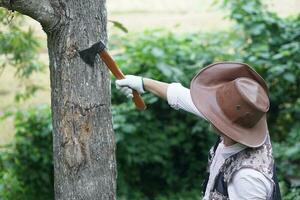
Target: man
[(233, 98)]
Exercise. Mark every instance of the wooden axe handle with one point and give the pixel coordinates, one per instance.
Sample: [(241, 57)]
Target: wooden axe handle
[(115, 70)]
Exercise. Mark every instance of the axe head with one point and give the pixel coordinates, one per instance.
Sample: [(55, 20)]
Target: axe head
[(88, 55)]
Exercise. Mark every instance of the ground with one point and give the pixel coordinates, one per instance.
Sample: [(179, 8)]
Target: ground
[(136, 16)]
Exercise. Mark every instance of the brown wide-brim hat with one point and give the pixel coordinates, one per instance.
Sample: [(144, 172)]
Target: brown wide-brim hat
[(234, 98)]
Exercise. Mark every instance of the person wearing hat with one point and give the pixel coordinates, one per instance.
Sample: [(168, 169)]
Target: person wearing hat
[(233, 98)]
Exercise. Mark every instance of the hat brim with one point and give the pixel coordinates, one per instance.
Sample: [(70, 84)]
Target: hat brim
[(204, 97)]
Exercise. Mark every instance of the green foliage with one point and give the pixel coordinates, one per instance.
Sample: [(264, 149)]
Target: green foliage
[(288, 153), (190, 195), (10, 186), (119, 25), (19, 49), (292, 195), (26, 167)]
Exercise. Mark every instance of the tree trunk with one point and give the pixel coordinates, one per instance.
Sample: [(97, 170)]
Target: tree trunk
[(84, 161), (83, 141)]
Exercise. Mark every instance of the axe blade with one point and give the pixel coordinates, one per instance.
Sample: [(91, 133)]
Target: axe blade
[(88, 55)]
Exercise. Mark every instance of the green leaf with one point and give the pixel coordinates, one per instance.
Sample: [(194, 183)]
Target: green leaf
[(119, 25), (290, 77)]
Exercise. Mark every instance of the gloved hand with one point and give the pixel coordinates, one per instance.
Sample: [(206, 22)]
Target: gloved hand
[(128, 83)]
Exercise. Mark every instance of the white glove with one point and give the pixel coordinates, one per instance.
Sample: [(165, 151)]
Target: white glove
[(128, 83)]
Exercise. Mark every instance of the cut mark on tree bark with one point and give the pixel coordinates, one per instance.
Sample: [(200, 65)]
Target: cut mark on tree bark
[(72, 51), (76, 128)]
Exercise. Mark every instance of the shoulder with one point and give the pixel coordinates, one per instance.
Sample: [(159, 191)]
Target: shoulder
[(248, 183)]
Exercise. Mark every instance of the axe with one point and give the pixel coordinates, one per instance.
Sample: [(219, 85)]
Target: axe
[(88, 56)]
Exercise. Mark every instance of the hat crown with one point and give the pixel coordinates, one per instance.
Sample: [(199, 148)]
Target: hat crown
[(243, 101), (252, 92)]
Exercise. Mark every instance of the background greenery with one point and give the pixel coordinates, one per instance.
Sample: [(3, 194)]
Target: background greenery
[(162, 153)]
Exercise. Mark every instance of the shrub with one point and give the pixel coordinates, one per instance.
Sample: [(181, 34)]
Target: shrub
[(26, 167)]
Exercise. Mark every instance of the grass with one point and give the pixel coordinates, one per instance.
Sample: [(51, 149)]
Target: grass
[(9, 86)]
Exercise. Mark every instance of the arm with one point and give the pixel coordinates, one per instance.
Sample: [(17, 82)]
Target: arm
[(177, 96), (158, 88), (249, 184)]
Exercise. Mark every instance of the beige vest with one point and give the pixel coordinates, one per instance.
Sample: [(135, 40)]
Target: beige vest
[(260, 159)]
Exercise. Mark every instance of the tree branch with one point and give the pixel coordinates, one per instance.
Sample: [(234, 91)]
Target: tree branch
[(40, 10)]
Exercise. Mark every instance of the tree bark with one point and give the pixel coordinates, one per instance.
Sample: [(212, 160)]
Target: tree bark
[(83, 141)]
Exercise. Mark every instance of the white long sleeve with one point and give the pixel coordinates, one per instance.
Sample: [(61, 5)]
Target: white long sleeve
[(249, 184), (179, 97)]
